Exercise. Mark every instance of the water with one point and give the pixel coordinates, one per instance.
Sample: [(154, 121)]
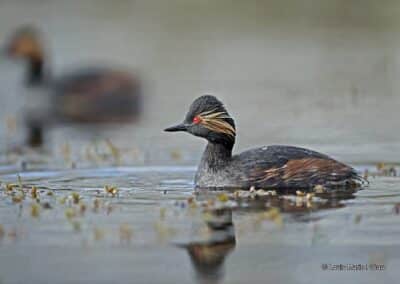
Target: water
[(157, 230), (313, 74)]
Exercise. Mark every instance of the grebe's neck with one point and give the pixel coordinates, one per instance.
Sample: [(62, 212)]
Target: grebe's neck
[(36, 70), (216, 155)]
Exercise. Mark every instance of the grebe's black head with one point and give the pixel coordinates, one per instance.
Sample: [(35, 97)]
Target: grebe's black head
[(208, 118), (26, 44)]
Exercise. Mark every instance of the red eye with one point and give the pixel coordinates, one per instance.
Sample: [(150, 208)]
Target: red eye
[(196, 120)]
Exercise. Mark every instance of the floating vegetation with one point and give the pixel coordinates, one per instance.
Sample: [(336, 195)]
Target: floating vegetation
[(191, 200), (17, 198), (223, 197), (319, 188), (240, 194), (63, 200), (10, 187), (100, 151), (75, 197), (262, 192), (111, 190), (34, 192), (386, 170)]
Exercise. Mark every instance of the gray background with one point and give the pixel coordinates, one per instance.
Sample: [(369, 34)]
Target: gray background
[(321, 74)]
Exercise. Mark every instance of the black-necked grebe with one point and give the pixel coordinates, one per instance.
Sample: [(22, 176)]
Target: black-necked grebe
[(277, 167), (89, 95)]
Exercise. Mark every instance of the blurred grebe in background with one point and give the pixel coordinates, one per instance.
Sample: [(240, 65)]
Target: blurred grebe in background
[(89, 95)]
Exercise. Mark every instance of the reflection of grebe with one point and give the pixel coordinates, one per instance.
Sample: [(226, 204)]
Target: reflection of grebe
[(92, 95), (208, 256)]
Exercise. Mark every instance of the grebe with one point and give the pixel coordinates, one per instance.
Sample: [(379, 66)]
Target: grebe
[(89, 95), (277, 167)]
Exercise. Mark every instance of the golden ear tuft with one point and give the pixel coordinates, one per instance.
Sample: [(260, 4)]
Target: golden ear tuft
[(215, 121)]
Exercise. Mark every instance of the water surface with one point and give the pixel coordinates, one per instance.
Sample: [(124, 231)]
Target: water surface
[(155, 229)]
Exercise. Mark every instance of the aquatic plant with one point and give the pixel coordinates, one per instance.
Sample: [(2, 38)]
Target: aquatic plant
[(111, 190), (75, 197)]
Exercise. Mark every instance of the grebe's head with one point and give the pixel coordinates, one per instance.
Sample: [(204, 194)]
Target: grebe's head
[(208, 118), (25, 43)]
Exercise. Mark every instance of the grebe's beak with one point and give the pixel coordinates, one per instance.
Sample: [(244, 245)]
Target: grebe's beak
[(179, 127)]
